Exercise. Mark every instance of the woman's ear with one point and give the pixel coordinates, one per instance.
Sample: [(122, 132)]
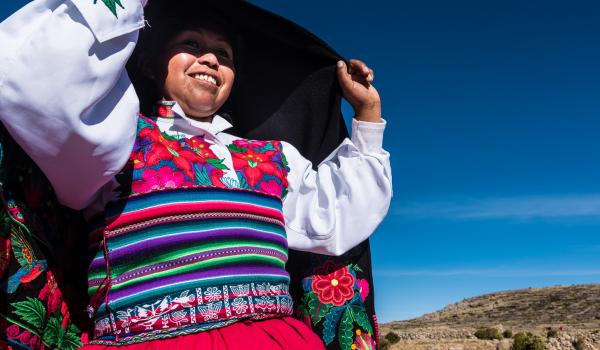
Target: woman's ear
[(146, 66)]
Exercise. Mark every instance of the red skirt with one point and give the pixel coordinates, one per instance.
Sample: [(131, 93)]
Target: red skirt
[(279, 333)]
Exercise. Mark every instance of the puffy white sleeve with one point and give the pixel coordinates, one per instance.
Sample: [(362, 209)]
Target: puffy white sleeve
[(64, 94), (336, 207)]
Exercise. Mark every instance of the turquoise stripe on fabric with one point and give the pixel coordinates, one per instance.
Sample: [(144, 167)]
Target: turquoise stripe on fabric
[(196, 226)]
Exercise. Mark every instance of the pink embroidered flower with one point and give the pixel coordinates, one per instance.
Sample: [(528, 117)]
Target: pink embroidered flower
[(363, 341), (13, 331), (333, 283), (25, 337), (250, 143), (363, 287), (271, 187), (35, 343), (165, 177)]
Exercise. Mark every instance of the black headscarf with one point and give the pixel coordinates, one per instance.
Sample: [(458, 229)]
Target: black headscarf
[(285, 88)]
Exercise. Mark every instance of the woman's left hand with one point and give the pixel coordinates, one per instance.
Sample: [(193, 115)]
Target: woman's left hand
[(356, 81)]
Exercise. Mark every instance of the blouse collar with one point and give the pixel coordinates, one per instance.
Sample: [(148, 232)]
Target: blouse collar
[(171, 115)]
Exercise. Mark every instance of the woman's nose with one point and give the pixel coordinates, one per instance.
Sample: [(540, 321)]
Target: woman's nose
[(209, 59)]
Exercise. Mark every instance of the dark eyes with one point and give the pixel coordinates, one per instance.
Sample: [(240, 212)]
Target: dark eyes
[(219, 51)]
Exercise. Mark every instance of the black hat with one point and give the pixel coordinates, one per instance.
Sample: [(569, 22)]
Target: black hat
[(286, 85)]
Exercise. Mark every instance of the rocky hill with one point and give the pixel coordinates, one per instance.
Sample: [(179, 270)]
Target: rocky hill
[(573, 311)]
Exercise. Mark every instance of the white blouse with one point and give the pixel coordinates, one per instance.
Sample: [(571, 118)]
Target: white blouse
[(65, 97)]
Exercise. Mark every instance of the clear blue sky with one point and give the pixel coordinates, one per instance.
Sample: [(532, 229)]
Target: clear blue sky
[(494, 114)]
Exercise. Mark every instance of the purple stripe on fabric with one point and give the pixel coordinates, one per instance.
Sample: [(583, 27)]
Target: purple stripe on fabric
[(164, 242), (198, 275), (195, 258)]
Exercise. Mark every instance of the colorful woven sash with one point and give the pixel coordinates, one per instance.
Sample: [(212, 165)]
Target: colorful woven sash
[(181, 260)]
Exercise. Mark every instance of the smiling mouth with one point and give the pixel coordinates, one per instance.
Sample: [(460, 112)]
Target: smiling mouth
[(206, 78)]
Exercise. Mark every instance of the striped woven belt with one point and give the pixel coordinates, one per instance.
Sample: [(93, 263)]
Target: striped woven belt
[(186, 260)]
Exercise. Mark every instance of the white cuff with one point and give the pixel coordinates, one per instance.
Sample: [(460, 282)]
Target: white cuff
[(105, 25), (367, 136)]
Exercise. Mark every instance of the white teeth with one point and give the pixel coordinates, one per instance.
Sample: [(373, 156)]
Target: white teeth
[(206, 78)]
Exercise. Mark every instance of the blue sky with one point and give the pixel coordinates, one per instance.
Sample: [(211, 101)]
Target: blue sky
[(493, 110)]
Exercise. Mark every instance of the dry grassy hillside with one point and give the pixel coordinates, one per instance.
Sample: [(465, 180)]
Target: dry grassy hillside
[(573, 305), (574, 311)]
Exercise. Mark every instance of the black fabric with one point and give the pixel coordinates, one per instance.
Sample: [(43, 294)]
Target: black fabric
[(286, 88)]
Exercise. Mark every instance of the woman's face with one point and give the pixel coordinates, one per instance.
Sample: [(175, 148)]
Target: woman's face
[(197, 71)]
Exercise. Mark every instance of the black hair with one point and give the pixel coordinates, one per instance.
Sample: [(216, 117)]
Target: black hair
[(164, 21)]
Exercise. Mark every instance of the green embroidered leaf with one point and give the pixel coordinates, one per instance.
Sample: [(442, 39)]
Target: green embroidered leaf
[(169, 137), (284, 160), (32, 311), (284, 192), (72, 339), (252, 164), (202, 176), (217, 163), (53, 333), (236, 149), (362, 319), (317, 309), (355, 267), (112, 5), (345, 330), (331, 321)]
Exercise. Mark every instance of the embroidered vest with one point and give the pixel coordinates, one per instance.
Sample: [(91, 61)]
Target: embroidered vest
[(185, 249)]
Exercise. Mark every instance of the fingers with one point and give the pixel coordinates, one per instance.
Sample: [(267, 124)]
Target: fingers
[(359, 68), (344, 77)]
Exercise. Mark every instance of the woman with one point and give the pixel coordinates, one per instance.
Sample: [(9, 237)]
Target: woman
[(196, 71)]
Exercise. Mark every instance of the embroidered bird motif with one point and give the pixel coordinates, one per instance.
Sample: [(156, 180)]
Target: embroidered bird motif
[(31, 266)]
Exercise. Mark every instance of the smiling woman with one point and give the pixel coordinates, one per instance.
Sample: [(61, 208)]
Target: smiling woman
[(194, 223)]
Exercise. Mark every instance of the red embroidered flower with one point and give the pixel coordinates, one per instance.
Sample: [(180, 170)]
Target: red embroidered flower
[(363, 287), (201, 147), (51, 294), (333, 283), (167, 149), (271, 187), (255, 165), (363, 341), (165, 177), (13, 331)]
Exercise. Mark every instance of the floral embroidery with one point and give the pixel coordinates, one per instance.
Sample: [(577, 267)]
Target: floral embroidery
[(363, 287), (261, 164), (333, 305), (34, 315), (333, 284), (165, 177), (160, 161)]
